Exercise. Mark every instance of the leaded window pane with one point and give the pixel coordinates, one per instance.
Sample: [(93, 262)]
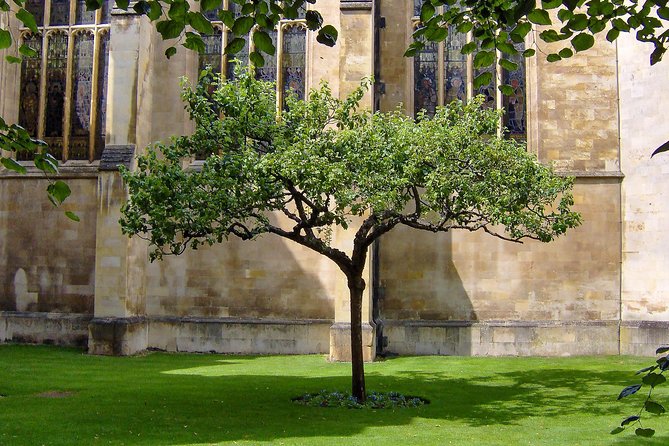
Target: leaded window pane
[(514, 104), (455, 67), (106, 9), (426, 66), (103, 75), (60, 12), (417, 4), (213, 48), (268, 71), (241, 57), (212, 14), (488, 91), (36, 8), (31, 69), (56, 73), (83, 15), (82, 95), (293, 61)]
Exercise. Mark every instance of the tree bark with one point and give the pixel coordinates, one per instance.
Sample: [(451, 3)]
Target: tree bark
[(356, 286)]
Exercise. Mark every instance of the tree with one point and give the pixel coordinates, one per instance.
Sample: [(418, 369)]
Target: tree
[(323, 163)]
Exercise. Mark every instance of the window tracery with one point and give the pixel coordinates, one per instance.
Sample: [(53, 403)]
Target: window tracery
[(286, 67), (441, 74), (63, 85)]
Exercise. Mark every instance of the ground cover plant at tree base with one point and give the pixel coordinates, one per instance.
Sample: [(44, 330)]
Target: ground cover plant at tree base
[(63, 397), (323, 163)]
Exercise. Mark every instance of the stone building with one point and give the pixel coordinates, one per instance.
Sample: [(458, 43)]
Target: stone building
[(101, 89)]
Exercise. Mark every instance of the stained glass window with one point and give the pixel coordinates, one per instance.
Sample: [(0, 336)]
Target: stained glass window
[(62, 100), (36, 8), (103, 76), (83, 15), (56, 70), (82, 93), (106, 9), (514, 104), (442, 74), (293, 60), (31, 69), (289, 57), (417, 4), (455, 67), (242, 57), (60, 12), (213, 49), (426, 66), (268, 71)]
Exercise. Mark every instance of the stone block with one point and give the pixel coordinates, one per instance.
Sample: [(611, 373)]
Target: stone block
[(117, 336), (340, 342)]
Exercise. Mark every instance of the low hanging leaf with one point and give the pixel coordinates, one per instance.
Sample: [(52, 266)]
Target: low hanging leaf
[(72, 216), (508, 65), (13, 165), (617, 430), (664, 349), (28, 20), (629, 390), (170, 29), (539, 17), (171, 51), (654, 379), (257, 59), (58, 191), (553, 57), (5, 39), (482, 79), (565, 53), (654, 407), (529, 52), (629, 420), (235, 45), (484, 59), (264, 43), (426, 12), (327, 35), (646, 369), (314, 20), (200, 23), (243, 25), (13, 59), (582, 42), (644, 432)]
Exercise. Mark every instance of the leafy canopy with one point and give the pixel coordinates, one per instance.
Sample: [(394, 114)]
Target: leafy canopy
[(323, 161)]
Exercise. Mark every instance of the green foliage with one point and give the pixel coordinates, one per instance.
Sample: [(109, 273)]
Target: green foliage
[(323, 161), (651, 379), (579, 21)]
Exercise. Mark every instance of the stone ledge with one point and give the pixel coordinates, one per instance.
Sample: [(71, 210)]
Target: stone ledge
[(236, 320), (352, 5)]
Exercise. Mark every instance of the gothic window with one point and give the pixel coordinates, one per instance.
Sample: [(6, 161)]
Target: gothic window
[(63, 86), (286, 67), (441, 74)]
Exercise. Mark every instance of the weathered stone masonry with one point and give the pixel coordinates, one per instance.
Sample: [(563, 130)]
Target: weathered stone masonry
[(602, 289)]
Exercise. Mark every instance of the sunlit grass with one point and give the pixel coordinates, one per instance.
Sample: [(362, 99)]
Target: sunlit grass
[(63, 397)]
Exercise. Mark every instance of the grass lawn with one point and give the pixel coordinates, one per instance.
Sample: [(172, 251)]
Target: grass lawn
[(55, 396)]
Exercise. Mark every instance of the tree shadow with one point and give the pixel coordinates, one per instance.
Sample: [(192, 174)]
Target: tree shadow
[(201, 399)]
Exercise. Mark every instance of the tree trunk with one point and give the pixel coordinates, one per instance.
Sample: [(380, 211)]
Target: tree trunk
[(356, 287)]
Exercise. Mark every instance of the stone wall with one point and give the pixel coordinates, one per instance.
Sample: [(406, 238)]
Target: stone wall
[(46, 260), (643, 122)]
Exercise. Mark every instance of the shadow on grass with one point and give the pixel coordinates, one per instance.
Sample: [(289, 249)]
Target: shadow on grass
[(206, 399)]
